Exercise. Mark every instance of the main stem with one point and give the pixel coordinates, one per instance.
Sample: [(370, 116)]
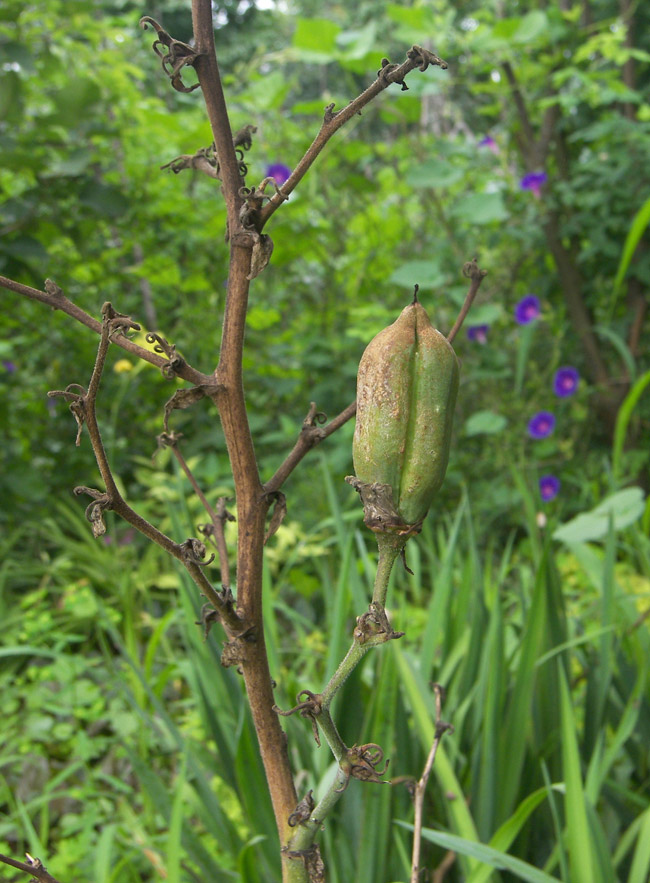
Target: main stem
[(252, 501)]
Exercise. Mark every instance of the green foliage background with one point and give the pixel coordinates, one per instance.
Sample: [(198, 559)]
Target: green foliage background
[(125, 747)]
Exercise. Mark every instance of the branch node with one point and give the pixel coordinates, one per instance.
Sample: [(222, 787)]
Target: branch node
[(234, 652), (303, 810), (361, 762), (424, 57), (374, 624), (312, 860), (52, 288), (330, 113), (175, 364), (117, 323), (193, 552), (308, 708)]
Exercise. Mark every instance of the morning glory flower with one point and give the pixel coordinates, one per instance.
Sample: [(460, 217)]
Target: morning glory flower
[(279, 172), (478, 333), (541, 425), (9, 366), (490, 143), (565, 382), (527, 309), (533, 181), (549, 487)]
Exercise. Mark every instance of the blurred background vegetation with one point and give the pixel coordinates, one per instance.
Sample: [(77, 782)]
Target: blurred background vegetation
[(126, 750)]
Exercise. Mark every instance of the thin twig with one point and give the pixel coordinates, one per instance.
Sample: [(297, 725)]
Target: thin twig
[(472, 271), (57, 300), (33, 866), (116, 503), (311, 434), (333, 120), (420, 786), (215, 530)]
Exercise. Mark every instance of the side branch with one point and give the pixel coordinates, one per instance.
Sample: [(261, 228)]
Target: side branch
[(53, 297), (311, 434), (420, 786), (417, 57), (83, 406), (471, 270), (32, 866)]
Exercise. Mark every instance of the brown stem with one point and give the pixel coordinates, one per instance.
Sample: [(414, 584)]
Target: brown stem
[(207, 71), (226, 612), (420, 787), (252, 502), (58, 301), (522, 110), (33, 867), (334, 120), (310, 435), (222, 515), (472, 271), (217, 518), (535, 152)]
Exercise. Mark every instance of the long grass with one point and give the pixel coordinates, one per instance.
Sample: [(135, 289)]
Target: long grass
[(542, 649)]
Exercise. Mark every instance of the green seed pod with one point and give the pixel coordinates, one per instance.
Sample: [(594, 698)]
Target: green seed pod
[(406, 393)]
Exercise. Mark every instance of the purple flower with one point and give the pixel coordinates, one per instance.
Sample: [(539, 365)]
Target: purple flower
[(549, 487), (478, 333), (527, 309), (565, 382), (9, 366), (541, 425), (533, 181), (490, 143), (279, 172)]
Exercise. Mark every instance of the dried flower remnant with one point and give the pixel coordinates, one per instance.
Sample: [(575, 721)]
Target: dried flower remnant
[(549, 487), (478, 333), (565, 382), (541, 425), (533, 182), (279, 172), (528, 309)]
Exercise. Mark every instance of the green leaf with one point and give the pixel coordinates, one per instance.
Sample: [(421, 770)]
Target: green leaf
[(103, 199), (434, 173), (623, 419), (357, 43), (426, 274), (636, 231), (531, 27), (10, 95), (625, 507), (578, 832), (174, 851), (640, 869), (72, 164), (480, 208), (485, 423), (620, 345), (315, 39), (510, 829), (102, 853), (486, 854)]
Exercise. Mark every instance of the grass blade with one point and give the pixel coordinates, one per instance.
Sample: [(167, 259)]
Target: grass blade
[(487, 855)]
